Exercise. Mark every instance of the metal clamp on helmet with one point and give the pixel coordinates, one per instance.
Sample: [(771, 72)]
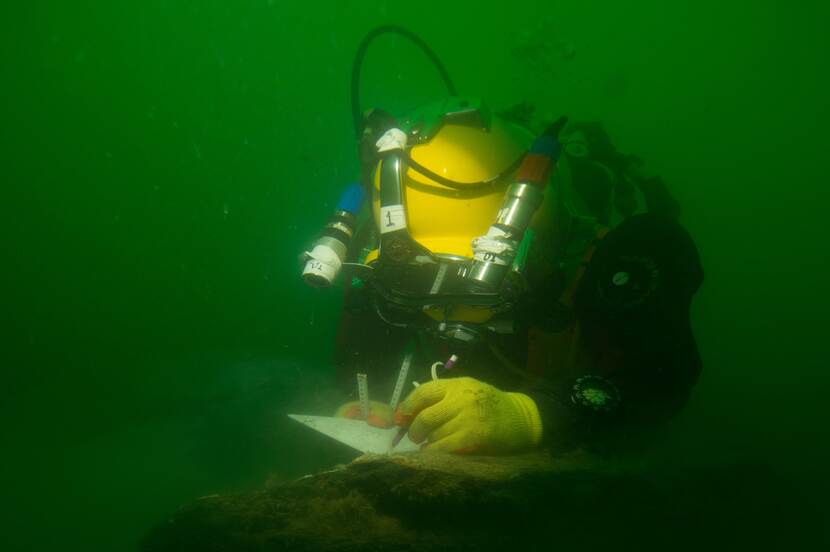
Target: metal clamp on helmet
[(324, 261), (494, 252), (396, 244)]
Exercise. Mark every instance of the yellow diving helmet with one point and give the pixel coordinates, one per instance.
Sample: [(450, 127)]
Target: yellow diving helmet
[(455, 194), (453, 213), (466, 145)]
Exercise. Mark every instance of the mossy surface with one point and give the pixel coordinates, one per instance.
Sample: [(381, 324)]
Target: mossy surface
[(424, 502)]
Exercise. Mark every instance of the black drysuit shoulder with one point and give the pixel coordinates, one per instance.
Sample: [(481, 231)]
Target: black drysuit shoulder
[(633, 301)]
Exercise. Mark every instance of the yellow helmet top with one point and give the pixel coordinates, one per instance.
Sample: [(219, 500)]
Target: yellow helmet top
[(468, 145)]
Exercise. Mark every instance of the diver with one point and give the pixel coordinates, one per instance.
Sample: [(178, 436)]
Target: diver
[(545, 264)]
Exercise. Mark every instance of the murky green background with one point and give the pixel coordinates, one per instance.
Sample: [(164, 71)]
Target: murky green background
[(165, 162)]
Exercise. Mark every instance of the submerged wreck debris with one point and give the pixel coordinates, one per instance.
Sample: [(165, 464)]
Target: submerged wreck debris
[(429, 502)]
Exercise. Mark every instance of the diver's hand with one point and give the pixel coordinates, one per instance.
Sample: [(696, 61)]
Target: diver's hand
[(464, 415), (380, 414)]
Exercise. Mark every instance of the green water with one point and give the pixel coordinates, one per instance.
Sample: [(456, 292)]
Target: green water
[(165, 162)]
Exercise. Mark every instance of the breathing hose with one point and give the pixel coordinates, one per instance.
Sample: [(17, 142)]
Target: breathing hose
[(357, 66), (357, 112)]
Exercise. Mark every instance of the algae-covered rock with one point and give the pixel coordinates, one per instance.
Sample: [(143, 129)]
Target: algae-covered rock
[(431, 501)]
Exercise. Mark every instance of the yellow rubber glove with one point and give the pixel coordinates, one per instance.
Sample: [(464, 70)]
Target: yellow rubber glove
[(380, 414), (464, 415)]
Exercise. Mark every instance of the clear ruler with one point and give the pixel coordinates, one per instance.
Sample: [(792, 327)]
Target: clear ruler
[(396, 394), (363, 394)]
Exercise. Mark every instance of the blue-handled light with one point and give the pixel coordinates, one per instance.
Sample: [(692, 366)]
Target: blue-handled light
[(352, 199)]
